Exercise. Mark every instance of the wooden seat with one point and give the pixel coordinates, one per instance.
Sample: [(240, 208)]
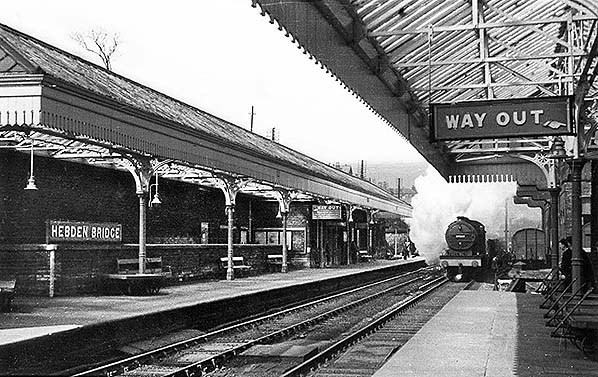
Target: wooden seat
[(129, 281), (274, 262), (153, 265), (238, 264), (364, 256)]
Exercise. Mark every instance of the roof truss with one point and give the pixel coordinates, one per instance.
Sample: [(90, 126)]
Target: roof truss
[(456, 51)]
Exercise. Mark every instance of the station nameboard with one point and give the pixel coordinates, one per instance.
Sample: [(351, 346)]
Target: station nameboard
[(516, 117), (78, 231), (325, 212)]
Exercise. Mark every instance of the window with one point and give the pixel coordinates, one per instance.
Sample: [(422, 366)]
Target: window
[(273, 237), (295, 238), (260, 237)]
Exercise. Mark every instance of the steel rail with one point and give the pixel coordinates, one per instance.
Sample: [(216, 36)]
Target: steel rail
[(203, 365), (310, 364), (137, 361)]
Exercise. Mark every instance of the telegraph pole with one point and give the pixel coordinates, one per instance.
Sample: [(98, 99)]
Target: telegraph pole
[(251, 123)]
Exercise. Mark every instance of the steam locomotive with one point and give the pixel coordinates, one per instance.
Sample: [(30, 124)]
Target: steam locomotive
[(466, 254)]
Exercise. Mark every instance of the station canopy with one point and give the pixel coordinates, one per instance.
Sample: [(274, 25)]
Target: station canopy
[(57, 105), (399, 57)]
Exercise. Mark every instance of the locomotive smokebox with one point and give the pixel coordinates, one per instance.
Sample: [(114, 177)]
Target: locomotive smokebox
[(466, 241)]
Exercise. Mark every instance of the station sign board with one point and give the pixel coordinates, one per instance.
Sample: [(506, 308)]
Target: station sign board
[(80, 231), (516, 117), (326, 212)]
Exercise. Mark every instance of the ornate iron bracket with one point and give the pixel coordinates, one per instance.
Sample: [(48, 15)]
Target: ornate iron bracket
[(546, 165)]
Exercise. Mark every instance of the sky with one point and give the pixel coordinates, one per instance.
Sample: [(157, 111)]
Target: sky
[(223, 57)]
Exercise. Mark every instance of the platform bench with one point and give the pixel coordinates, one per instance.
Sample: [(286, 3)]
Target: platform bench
[(129, 281), (7, 294), (275, 262), (238, 265), (364, 256)]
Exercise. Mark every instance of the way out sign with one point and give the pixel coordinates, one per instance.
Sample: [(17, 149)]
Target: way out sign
[(516, 117)]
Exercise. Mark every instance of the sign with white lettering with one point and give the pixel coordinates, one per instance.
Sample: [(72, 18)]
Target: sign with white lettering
[(515, 117), (78, 231), (325, 212)]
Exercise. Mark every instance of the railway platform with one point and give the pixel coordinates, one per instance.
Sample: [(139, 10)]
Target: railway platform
[(32, 317), (37, 327), (488, 333)]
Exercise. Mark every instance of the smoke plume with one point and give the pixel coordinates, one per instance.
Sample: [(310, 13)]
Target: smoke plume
[(438, 203)]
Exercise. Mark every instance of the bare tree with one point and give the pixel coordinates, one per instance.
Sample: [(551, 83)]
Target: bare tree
[(100, 43)]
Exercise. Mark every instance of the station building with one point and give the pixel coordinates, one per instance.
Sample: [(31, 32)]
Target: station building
[(95, 167)]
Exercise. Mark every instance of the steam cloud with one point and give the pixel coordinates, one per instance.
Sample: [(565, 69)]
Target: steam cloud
[(438, 203)]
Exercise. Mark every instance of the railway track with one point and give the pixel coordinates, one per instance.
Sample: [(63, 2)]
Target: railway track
[(211, 354), (364, 352), (327, 339)]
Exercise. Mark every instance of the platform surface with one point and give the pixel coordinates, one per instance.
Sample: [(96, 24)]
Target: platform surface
[(487, 333), (33, 317)]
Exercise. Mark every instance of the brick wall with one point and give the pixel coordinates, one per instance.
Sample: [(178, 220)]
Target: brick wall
[(565, 206), (77, 192), (79, 267), (66, 192), (264, 215), (29, 264)]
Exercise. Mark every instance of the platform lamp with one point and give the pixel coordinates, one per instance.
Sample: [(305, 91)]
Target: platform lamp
[(557, 149), (156, 198), (31, 181)]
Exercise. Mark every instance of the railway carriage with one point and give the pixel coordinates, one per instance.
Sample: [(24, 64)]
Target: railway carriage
[(466, 252), (529, 244)]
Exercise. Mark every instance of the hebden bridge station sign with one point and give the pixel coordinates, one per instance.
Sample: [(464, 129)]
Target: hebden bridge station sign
[(517, 117)]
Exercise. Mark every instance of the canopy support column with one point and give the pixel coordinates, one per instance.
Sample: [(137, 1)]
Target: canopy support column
[(230, 272), (554, 230), (284, 198), (371, 222), (230, 186), (142, 231), (284, 267), (141, 169), (350, 210), (576, 250)]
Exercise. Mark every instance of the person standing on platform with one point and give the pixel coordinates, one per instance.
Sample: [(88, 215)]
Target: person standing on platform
[(412, 249), (587, 271), (565, 245)]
